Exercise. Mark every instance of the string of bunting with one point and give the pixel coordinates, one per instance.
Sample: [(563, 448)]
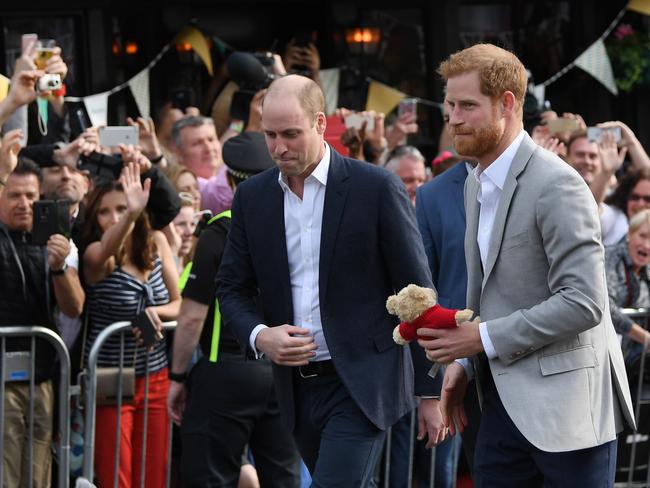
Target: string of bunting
[(381, 98)]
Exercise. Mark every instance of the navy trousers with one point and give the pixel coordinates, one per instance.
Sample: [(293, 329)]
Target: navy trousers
[(338, 443), (504, 458)]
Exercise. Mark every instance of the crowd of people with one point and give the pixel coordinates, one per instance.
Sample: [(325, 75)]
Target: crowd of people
[(275, 254)]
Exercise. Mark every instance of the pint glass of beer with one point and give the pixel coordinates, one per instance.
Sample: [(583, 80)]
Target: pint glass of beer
[(44, 51)]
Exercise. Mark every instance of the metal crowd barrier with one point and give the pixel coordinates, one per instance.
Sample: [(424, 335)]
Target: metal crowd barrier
[(91, 404), (388, 448), (33, 332), (640, 389)]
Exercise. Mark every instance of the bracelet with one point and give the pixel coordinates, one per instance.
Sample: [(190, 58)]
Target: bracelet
[(177, 377), (59, 272), (157, 159)]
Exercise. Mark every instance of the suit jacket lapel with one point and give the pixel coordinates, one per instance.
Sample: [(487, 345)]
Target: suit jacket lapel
[(272, 219), (519, 162), (336, 194)]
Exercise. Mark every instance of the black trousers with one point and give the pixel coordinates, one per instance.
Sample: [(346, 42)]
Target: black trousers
[(231, 404), (504, 458)]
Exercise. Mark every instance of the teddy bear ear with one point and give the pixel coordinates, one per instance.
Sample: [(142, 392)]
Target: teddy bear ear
[(391, 304)]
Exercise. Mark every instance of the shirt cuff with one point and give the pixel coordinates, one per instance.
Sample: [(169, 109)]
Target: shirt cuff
[(487, 343), (251, 340), (468, 366)]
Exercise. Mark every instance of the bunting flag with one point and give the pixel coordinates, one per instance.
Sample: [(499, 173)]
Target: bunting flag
[(330, 83), (139, 86), (382, 98), (540, 94), (196, 39), (97, 108), (4, 87), (595, 61), (640, 6)]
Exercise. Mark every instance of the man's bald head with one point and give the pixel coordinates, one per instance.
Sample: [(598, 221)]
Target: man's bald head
[(305, 90)]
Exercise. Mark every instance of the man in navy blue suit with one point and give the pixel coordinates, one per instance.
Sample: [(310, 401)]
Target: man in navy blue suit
[(325, 240), (440, 213)]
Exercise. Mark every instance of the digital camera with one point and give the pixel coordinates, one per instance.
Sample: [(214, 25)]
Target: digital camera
[(48, 82)]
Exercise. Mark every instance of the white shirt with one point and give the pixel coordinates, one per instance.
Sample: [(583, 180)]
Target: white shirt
[(491, 181), (613, 224), (303, 221)]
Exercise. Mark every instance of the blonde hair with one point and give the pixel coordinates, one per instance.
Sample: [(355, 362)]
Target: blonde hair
[(638, 219), (498, 70)]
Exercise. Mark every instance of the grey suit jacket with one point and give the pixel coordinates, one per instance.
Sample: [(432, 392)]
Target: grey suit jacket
[(559, 370)]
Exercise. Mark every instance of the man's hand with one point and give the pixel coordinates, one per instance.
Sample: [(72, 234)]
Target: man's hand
[(58, 248), (132, 154), (430, 422), (147, 136), (9, 149), (69, 154), (454, 386), (176, 401), (287, 345), (446, 345)]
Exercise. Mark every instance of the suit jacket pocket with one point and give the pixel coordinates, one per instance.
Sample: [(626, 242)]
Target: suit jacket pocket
[(517, 240), (578, 358)]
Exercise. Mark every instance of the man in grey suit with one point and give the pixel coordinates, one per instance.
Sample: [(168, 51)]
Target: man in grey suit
[(549, 368)]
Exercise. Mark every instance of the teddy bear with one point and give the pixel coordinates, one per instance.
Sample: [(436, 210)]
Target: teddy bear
[(417, 307)]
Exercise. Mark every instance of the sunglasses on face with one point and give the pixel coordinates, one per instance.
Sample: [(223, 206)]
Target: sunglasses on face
[(635, 198)]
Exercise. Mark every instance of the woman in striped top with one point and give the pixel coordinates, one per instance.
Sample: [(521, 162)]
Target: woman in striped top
[(129, 268)]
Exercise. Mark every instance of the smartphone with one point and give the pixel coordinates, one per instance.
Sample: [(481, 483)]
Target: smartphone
[(26, 40), (595, 134), (356, 120), (408, 106), (182, 98), (120, 134), (50, 217), (559, 125), (304, 38), (147, 329)]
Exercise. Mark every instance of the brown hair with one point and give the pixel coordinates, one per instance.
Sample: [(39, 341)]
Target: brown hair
[(498, 70), (142, 251), (626, 184)]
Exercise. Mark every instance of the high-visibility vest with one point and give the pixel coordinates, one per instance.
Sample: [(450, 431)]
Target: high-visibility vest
[(216, 322)]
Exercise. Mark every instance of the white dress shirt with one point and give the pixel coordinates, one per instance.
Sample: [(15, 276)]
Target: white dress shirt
[(303, 219), (491, 182)]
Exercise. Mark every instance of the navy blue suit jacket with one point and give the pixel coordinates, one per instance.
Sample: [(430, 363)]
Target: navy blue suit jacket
[(440, 213), (370, 248)]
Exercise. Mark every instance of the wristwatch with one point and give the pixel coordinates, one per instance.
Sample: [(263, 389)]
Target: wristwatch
[(59, 272), (177, 377)]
